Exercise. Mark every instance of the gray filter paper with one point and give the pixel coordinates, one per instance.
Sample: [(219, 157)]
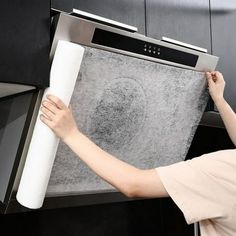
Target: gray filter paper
[(142, 112)]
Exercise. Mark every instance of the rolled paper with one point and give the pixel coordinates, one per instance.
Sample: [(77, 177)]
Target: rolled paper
[(43, 146)]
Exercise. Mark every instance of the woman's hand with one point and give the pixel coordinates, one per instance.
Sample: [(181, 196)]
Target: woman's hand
[(216, 85), (58, 117)]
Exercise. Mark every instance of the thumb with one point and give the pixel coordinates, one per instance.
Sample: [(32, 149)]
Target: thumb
[(208, 75)]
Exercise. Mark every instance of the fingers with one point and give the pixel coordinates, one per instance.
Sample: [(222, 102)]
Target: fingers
[(213, 73), (46, 121), (211, 82), (209, 78), (216, 76), (208, 75), (47, 113), (57, 101), (216, 73), (219, 75), (50, 106), (49, 109)]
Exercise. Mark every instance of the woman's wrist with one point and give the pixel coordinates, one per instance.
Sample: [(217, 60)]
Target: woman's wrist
[(68, 139), (219, 102)]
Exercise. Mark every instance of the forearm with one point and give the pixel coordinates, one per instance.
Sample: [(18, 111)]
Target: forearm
[(229, 118), (118, 173), (131, 181)]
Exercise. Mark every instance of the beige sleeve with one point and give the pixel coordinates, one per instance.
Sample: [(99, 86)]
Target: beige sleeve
[(194, 190)]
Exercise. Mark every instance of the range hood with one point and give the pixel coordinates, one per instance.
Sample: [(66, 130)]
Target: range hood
[(86, 30), (8, 89)]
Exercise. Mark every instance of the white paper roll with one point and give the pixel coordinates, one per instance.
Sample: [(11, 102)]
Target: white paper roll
[(44, 143)]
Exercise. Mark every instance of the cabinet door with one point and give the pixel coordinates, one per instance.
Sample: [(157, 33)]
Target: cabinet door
[(62, 5), (173, 221), (131, 12), (183, 20), (224, 43), (25, 42)]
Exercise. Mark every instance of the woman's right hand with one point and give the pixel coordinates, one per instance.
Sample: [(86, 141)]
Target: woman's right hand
[(216, 85), (58, 117)]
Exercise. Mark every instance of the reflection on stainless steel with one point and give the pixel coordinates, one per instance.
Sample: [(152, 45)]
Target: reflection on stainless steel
[(212, 119), (187, 45), (223, 7), (102, 20), (7, 89)]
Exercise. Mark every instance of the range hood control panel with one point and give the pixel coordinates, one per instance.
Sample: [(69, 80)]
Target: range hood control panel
[(133, 45), (152, 49)]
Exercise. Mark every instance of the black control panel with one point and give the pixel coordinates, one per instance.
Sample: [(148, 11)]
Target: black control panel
[(125, 43)]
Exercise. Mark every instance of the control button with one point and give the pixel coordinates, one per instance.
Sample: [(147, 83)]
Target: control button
[(145, 49), (149, 51), (158, 53), (154, 52)]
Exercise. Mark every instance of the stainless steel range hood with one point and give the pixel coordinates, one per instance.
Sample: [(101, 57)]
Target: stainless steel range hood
[(7, 89), (93, 34)]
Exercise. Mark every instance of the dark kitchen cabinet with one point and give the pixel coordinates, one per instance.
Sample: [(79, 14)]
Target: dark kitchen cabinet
[(62, 5), (209, 139), (25, 42), (223, 18), (173, 220), (184, 20), (153, 217), (131, 12)]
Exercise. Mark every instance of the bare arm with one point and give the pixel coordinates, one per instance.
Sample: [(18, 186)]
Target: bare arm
[(131, 181), (216, 85)]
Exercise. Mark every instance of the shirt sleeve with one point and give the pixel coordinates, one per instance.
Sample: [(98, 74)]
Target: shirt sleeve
[(193, 188)]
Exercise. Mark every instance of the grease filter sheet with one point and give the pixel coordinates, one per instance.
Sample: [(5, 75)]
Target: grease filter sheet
[(143, 112)]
